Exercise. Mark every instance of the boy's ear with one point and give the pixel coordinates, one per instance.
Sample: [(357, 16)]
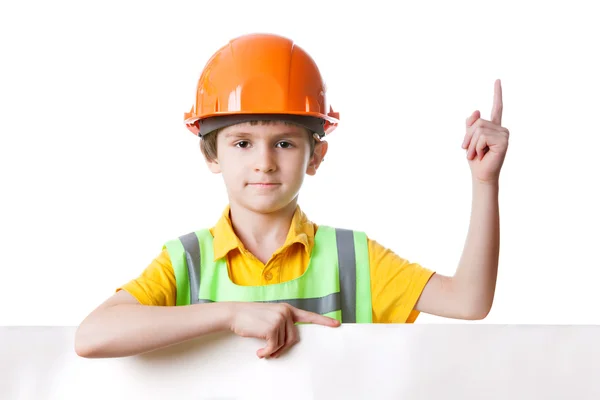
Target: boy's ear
[(317, 158)]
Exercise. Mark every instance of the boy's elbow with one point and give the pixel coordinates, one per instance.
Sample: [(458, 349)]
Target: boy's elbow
[(474, 306), (476, 313), (81, 346), (82, 350), (84, 345)]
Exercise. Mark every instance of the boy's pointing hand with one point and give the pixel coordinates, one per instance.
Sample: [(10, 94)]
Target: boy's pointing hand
[(486, 142)]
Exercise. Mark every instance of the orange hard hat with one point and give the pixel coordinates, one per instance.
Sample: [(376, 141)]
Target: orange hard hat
[(260, 76)]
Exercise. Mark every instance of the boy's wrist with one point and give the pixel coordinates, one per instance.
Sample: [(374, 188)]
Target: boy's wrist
[(491, 183), (486, 188), (226, 314), (216, 316)]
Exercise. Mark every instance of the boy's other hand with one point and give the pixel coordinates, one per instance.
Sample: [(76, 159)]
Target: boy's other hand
[(275, 323), (486, 142)]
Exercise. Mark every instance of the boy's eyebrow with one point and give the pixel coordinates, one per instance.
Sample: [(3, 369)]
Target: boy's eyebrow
[(237, 134), (293, 134)]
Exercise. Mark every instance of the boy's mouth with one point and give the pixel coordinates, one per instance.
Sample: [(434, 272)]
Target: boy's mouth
[(263, 184)]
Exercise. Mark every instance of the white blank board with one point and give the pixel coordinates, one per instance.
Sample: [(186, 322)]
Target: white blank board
[(461, 361)]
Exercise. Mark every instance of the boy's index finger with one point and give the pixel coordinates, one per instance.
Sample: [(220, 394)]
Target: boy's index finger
[(305, 316), (498, 106)]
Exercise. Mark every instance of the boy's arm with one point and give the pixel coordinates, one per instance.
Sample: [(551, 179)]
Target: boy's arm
[(121, 326), (470, 292)]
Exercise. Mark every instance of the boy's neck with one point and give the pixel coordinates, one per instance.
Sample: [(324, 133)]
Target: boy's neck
[(262, 234)]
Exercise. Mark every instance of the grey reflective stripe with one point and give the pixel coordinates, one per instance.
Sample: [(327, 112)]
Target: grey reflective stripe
[(192, 256), (347, 268), (319, 305)]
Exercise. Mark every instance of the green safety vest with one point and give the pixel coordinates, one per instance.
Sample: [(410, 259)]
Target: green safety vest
[(336, 283)]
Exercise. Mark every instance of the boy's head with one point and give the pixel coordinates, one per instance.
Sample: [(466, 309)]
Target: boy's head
[(261, 112)]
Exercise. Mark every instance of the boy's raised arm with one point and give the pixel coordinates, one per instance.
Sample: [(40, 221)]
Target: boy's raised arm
[(470, 292)]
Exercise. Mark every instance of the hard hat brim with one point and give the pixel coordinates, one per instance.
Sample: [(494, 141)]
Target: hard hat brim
[(315, 124)]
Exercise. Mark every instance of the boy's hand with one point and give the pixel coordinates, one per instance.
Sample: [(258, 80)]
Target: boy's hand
[(275, 323), (486, 142)]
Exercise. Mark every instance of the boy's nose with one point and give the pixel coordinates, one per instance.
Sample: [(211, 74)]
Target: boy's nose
[(265, 161)]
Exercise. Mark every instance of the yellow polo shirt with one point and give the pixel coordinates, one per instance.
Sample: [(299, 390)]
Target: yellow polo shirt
[(396, 284)]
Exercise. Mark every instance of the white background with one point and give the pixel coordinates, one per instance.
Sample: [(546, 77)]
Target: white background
[(97, 170)]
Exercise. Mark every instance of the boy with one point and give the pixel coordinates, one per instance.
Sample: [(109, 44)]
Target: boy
[(261, 114)]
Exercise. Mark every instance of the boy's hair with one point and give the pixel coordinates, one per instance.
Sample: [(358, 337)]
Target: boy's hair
[(208, 143)]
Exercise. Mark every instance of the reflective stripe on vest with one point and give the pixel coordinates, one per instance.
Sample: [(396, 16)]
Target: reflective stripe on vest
[(350, 293), (347, 266)]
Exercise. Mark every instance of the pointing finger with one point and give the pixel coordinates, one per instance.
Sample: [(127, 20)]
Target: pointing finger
[(497, 107), (305, 316)]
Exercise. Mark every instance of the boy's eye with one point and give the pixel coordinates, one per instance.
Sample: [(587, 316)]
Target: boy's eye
[(243, 144), (285, 145)]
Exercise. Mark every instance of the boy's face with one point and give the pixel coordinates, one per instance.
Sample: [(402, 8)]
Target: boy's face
[(263, 166)]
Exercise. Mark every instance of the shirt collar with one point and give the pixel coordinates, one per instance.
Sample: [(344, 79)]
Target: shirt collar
[(301, 231)]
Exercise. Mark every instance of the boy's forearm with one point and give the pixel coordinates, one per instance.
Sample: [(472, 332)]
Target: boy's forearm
[(130, 329), (476, 274)]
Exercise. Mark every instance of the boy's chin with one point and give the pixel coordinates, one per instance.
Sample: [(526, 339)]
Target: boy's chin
[(265, 205)]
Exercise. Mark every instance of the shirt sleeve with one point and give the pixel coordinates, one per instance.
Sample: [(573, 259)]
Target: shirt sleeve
[(396, 285), (156, 285)]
